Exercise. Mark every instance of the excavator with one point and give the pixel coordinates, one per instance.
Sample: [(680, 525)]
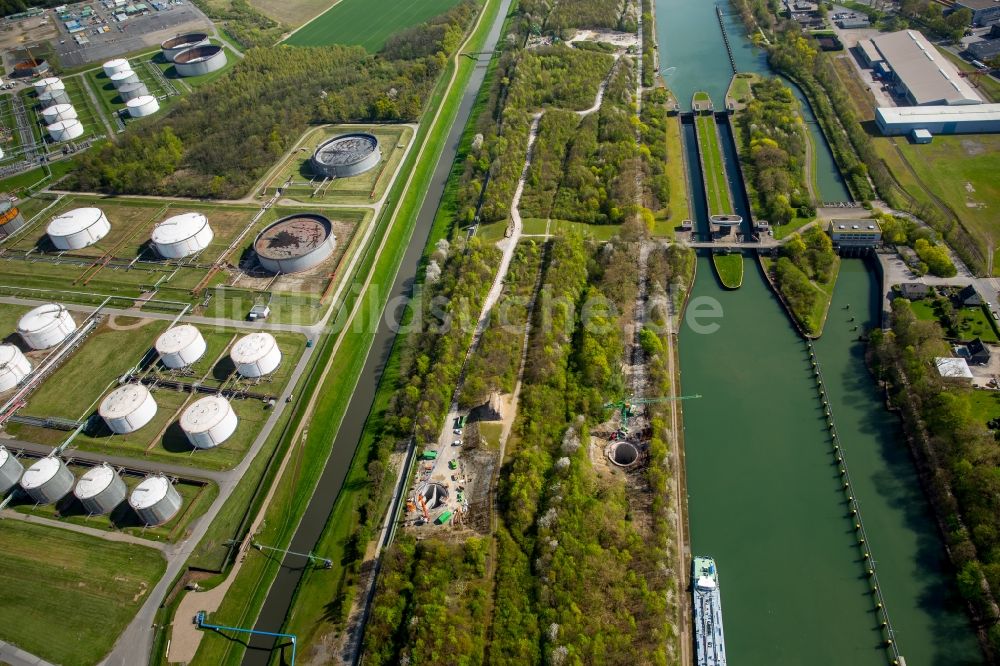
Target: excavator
[(627, 405)]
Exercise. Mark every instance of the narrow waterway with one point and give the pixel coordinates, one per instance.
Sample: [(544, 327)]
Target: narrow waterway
[(765, 494)]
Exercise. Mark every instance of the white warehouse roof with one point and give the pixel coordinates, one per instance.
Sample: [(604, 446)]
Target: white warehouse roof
[(926, 115), (927, 74), (953, 368)]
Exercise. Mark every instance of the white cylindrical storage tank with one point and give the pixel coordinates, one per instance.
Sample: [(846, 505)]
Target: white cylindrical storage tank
[(112, 67), (256, 355), (141, 107), (128, 408), (130, 91), (124, 77), (209, 422), (180, 346), (58, 112), (10, 470), (46, 326), (78, 228), (155, 501), (100, 490), (52, 97), (65, 130), (49, 83), (47, 481), (14, 367), (182, 235)]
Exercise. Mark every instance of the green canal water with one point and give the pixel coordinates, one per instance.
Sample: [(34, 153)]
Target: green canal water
[(765, 494)]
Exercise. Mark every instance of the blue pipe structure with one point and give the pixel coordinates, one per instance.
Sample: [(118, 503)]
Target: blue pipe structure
[(200, 621)]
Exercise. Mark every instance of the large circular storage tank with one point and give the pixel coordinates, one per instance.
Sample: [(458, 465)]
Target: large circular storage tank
[(128, 408), (65, 130), (100, 489), (346, 155), (47, 481), (124, 77), (49, 83), (112, 67), (209, 422), (46, 326), (53, 97), (200, 60), (295, 243), (175, 45), (180, 346), (10, 470), (130, 91), (154, 500), (256, 355), (78, 228), (14, 367), (140, 107), (10, 219), (58, 112), (181, 235)]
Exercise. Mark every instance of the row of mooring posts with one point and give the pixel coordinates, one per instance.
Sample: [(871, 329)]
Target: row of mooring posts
[(854, 507), (725, 39)]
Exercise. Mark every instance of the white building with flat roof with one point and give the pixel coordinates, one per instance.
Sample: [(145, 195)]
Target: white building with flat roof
[(953, 368), (977, 119), (919, 72)]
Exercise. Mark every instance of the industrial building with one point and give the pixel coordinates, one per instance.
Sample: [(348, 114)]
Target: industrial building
[(155, 500), (346, 155), (100, 489), (917, 72), (984, 12), (256, 355), (47, 481), (78, 228), (10, 470), (984, 50), (295, 243), (175, 45), (182, 235), (180, 346), (209, 422), (857, 234), (200, 60), (14, 367), (978, 119), (127, 408), (46, 326)]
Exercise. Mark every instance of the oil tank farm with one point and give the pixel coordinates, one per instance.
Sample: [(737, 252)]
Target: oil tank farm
[(46, 326), (140, 107), (182, 235), (209, 422), (65, 130), (180, 346), (47, 481), (14, 367), (200, 60), (124, 77), (155, 500), (58, 112), (49, 83), (295, 243), (175, 45), (256, 355), (10, 470), (53, 97), (127, 408), (10, 219), (130, 91), (346, 155), (100, 489), (78, 228), (112, 67)]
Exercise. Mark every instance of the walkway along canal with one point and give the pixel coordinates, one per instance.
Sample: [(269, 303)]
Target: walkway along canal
[(766, 495)]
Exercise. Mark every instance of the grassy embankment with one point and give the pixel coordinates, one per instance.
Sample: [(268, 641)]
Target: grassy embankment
[(71, 587), (712, 167), (247, 594), (729, 268)]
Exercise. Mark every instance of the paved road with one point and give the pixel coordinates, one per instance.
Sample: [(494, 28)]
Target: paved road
[(15, 656)]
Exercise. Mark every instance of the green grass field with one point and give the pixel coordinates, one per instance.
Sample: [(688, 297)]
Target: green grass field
[(68, 596), (713, 169), (359, 22), (729, 268)]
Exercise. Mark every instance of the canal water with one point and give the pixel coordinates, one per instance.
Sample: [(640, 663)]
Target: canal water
[(765, 495)]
